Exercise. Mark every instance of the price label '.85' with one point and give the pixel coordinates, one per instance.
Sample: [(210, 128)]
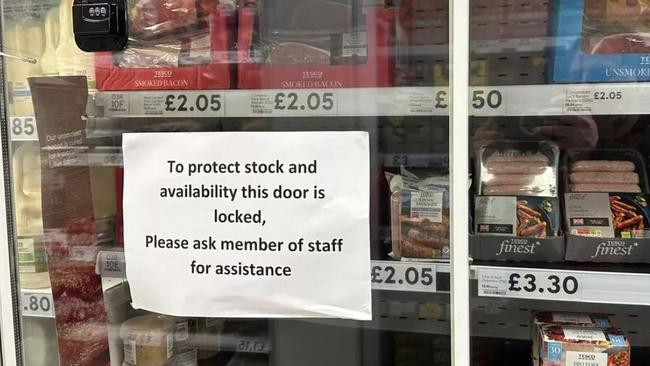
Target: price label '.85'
[(23, 129), (403, 276)]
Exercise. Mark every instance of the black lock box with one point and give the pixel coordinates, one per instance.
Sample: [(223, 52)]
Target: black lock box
[(100, 25)]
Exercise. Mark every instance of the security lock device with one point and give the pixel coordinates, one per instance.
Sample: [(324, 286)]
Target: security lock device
[(100, 25)]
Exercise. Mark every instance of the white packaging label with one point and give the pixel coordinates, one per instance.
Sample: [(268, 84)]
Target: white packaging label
[(585, 359), (201, 50), (496, 215), (182, 331), (584, 334), (427, 205), (569, 318), (130, 350), (246, 224), (170, 345), (355, 44)]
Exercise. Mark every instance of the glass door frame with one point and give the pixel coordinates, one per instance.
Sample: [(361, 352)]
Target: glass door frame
[(459, 224)]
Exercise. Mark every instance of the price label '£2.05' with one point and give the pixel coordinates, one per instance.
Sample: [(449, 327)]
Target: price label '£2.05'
[(403, 276)]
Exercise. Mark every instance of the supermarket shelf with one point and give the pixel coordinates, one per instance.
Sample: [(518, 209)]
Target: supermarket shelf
[(588, 283), (396, 101), (407, 275), (560, 99)]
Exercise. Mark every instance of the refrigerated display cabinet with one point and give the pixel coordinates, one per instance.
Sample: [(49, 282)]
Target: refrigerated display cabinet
[(525, 119)]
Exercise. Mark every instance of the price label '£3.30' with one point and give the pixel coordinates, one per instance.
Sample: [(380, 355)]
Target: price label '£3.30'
[(526, 283)]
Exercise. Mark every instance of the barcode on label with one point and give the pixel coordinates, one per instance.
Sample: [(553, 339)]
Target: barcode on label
[(494, 292)]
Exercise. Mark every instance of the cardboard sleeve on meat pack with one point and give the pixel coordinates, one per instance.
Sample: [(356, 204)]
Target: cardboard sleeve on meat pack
[(517, 209), (181, 45), (314, 44), (601, 41), (606, 211)]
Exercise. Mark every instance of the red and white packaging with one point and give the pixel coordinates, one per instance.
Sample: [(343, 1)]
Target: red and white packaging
[(172, 53), (376, 69)]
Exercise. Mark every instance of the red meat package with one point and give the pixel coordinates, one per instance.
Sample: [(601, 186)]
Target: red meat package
[(173, 44), (314, 44)]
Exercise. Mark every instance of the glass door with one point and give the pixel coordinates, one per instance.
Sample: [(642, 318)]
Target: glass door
[(559, 183), (213, 68)]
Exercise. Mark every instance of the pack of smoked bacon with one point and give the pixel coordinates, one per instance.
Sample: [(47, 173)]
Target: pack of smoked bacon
[(606, 206), (172, 45), (313, 44), (517, 209)]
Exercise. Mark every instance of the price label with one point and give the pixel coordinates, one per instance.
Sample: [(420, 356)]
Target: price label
[(487, 102), (304, 102), (23, 129), (111, 264), (403, 276), (441, 99), (253, 345), (536, 284), (193, 104), (38, 305), (594, 100)]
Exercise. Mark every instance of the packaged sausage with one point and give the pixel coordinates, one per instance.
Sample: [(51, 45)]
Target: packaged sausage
[(508, 168), (419, 206), (570, 345), (607, 170), (545, 318), (517, 189)]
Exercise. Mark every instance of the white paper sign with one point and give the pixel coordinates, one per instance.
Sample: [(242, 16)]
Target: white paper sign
[(248, 224)]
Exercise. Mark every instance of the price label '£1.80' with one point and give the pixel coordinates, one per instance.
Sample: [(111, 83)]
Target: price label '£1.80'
[(403, 276), (37, 304), (526, 283)]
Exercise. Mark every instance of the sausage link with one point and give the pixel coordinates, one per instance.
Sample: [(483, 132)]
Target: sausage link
[(517, 167), (510, 179), (506, 157), (604, 177), (412, 250), (533, 230), (603, 166), (629, 188)]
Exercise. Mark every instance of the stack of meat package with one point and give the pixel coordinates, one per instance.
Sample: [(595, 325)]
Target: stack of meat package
[(173, 45), (73, 232), (313, 44), (578, 339)]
